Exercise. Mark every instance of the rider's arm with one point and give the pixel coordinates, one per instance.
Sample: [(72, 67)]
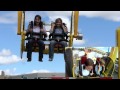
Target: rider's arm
[(103, 68), (52, 27), (29, 28), (44, 31), (65, 29), (91, 73)]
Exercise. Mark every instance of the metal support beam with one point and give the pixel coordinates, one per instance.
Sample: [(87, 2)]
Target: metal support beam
[(19, 22), (76, 19), (118, 45)]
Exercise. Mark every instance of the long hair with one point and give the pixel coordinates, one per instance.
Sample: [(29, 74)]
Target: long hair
[(41, 23), (89, 62), (58, 19)]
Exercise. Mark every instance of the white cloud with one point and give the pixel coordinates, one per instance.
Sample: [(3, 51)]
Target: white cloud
[(8, 17), (5, 52), (40, 71), (58, 13), (47, 28), (78, 42), (6, 57), (30, 15), (11, 17), (108, 15)]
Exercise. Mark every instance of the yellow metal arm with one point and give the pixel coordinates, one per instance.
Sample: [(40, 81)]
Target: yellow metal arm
[(19, 22), (110, 67), (74, 27), (71, 30), (113, 54), (118, 45), (76, 19)]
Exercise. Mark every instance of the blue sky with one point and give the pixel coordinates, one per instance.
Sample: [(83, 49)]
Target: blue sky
[(98, 29)]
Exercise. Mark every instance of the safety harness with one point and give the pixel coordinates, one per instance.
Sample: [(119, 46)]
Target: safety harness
[(63, 36), (31, 34)]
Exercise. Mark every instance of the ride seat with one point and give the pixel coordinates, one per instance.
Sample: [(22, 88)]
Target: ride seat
[(35, 44), (58, 46)]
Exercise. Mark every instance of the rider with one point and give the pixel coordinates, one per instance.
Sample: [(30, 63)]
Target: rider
[(99, 67), (37, 28), (85, 69), (57, 28)]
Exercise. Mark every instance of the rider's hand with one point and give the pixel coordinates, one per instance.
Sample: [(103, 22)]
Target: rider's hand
[(42, 30), (103, 68), (91, 74), (63, 26), (52, 25)]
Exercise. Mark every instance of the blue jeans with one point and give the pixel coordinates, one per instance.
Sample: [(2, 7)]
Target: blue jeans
[(30, 45), (51, 47)]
